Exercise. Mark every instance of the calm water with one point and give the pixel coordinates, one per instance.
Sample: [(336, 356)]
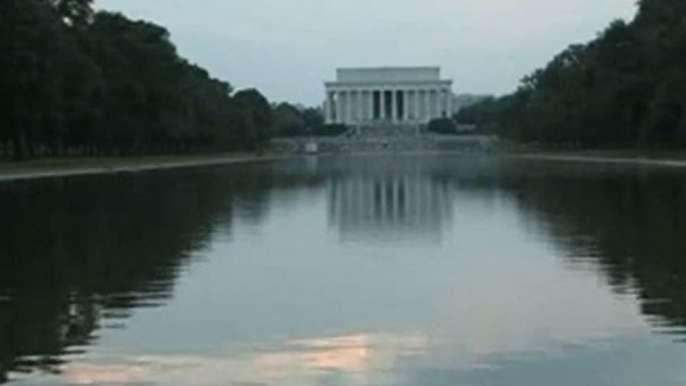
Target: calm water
[(363, 272)]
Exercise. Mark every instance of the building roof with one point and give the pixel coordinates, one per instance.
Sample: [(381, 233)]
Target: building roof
[(388, 74)]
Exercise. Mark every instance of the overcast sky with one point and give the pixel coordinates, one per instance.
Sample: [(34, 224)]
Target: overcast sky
[(287, 48)]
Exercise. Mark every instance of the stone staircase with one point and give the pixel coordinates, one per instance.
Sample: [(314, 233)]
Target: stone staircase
[(386, 131), (386, 138)]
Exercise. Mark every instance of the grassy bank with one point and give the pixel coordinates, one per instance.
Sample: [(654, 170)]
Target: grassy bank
[(59, 167), (630, 157)]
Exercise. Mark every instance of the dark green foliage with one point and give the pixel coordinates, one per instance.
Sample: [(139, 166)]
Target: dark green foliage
[(481, 114), (625, 88), (442, 126), (259, 113), (105, 247), (292, 121), (329, 130), (75, 12), (313, 117), (32, 74), (78, 82), (288, 121)]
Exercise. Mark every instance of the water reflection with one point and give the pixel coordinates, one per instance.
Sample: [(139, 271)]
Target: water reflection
[(626, 222), (351, 360), (78, 253), (521, 271), (389, 198)]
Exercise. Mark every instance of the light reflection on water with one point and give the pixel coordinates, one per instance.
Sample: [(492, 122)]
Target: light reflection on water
[(363, 271), (354, 360)]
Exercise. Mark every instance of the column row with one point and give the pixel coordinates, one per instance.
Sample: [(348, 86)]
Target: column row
[(390, 105)]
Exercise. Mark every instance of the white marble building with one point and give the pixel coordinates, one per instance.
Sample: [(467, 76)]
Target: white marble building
[(387, 95)]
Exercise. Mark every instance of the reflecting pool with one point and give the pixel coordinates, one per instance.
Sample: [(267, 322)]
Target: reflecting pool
[(378, 270)]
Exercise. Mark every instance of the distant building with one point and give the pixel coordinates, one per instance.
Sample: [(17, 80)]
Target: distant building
[(387, 95)]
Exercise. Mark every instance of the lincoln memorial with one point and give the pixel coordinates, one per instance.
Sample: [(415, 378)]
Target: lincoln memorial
[(387, 95)]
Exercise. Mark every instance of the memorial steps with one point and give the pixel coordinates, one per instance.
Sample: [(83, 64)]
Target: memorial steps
[(385, 138), (387, 131)]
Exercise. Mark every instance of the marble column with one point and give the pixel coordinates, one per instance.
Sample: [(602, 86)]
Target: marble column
[(436, 104), (327, 107), (356, 107), (365, 104), (370, 105), (362, 106), (406, 105), (346, 107), (342, 107), (410, 105), (417, 104), (353, 104), (418, 100), (448, 103), (427, 105), (441, 104), (351, 107), (394, 105), (360, 111), (350, 116), (412, 114), (444, 103), (338, 106), (382, 115), (332, 107)]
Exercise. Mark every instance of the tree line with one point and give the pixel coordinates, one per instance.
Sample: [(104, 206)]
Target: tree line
[(299, 121), (626, 88), (74, 81)]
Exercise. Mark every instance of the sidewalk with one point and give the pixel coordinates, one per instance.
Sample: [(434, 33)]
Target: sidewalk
[(86, 166)]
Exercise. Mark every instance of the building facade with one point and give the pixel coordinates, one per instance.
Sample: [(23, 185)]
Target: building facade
[(387, 95)]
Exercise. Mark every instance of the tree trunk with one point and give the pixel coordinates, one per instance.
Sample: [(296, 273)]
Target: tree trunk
[(3, 374), (19, 145)]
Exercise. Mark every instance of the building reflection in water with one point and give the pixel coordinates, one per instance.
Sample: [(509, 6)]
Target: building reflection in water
[(383, 201)]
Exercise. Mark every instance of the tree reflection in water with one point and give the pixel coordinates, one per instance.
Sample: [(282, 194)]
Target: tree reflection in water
[(80, 254), (628, 221)]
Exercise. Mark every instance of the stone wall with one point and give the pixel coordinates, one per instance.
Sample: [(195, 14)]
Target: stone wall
[(387, 139)]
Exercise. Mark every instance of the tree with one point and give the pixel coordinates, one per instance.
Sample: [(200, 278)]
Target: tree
[(77, 13), (442, 126), (33, 48), (260, 113), (624, 88), (289, 121), (295, 121), (76, 81), (313, 117)]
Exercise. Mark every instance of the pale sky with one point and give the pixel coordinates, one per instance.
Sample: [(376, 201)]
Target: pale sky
[(287, 48)]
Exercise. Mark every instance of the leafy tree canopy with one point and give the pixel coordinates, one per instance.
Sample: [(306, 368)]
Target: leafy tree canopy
[(627, 87)]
